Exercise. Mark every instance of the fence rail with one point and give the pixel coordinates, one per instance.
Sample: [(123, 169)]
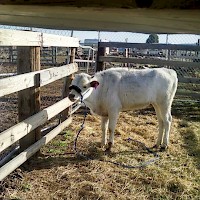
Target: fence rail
[(39, 78), (149, 61), (150, 46), (28, 38)]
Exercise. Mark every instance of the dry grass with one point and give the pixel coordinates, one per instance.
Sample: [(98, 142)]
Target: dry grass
[(59, 175)]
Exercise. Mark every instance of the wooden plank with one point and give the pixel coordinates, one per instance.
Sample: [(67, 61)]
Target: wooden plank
[(29, 38), (67, 82), (28, 60), (188, 80), (26, 154), (150, 46), (13, 134), (84, 61), (100, 53), (104, 19), (19, 38), (87, 47), (59, 41), (56, 73), (148, 61), (20, 82)]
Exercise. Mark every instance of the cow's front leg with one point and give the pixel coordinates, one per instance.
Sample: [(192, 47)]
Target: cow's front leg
[(111, 127), (104, 128)]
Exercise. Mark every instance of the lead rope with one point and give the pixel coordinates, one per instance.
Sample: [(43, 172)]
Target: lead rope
[(141, 165), (78, 153)]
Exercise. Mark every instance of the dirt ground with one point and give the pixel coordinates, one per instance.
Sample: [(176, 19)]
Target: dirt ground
[(58, 174)]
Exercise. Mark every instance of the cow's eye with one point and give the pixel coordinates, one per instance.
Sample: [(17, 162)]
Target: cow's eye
[(85, 86)]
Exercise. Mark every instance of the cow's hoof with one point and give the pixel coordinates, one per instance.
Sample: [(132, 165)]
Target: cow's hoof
[(103, 145), (108, 149), (162, 149), (155, 146)]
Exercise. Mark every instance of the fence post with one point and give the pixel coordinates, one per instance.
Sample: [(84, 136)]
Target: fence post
[(67, 83), (28, 59), (54, 55), (101, 52), (10, 49)]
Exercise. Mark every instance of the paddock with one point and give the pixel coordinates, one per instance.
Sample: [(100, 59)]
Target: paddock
[(43, 122)]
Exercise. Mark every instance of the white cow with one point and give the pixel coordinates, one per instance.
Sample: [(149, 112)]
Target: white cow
[(121, 89)]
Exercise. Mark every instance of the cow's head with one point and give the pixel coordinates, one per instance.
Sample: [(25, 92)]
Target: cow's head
[(82, 86)]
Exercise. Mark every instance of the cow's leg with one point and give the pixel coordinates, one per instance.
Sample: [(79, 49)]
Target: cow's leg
[(167, 120), (111, 127), (167, 125), (160, 125), (104, 128)]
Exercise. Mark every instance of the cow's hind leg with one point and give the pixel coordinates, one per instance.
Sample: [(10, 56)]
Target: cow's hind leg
[(167, 125), (111, 127), (161, 126), (167, 120), (104, 128)]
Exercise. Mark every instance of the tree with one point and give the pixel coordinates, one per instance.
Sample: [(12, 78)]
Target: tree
[(153, 38)]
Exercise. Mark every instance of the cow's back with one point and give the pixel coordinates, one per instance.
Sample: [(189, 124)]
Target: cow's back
[(132, 89)]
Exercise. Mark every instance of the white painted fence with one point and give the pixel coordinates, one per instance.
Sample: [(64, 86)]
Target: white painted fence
[(26, 81)]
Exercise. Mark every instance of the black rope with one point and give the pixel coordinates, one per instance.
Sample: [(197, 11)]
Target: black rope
[(78, 153)]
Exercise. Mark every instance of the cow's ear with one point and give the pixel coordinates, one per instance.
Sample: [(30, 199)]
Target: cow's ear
[(94, 84)]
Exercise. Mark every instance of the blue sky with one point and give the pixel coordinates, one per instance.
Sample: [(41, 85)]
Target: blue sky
[(137, 37), (115, 36)]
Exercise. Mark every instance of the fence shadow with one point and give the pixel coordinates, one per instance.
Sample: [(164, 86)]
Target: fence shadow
[(186, 110), (189, 111), (89, 153), (191, 142)]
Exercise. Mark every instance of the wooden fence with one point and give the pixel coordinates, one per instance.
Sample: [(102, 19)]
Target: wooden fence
[(187, 68), (27, 83)]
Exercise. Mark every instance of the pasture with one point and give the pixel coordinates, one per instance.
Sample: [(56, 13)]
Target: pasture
[(58, 174)]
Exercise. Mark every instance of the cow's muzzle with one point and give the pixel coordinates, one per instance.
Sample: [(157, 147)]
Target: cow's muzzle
[(72, 97), (77, 89)]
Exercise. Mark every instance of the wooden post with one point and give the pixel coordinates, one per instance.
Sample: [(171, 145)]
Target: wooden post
[(28, 60), (10, 54), (54, 55), (67, 83), (99, 64), (126, 56), (88, 64), (93, 59)]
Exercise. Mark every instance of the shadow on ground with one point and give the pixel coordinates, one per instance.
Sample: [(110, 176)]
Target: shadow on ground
[(189, 112), (186, 110), (140, 154)]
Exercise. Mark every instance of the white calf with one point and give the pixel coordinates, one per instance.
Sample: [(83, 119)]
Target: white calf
[(122, 89)]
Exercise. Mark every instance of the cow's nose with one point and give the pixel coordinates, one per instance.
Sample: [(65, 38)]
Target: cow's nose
[(71, 97)]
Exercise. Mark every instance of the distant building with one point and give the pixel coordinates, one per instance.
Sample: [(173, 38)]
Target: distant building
[(91, 42)]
